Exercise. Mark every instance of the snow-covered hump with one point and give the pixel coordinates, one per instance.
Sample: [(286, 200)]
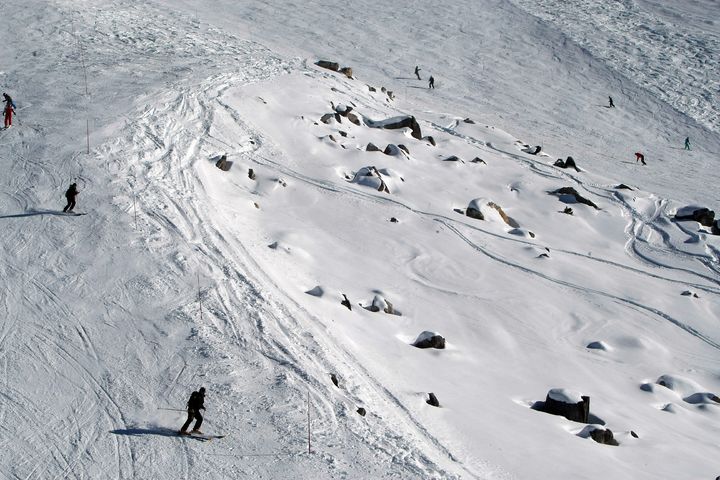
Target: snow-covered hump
[(564, 395)]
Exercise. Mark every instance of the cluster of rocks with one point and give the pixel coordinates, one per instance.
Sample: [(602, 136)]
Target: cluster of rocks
[(340, 112), (391, 149), (382, 304), (372, 177)]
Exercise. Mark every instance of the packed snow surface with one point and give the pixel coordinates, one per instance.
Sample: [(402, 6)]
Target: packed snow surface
[(292, 285)]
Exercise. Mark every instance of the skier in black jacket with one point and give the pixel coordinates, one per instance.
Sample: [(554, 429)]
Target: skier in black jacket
[(70, 194), (194, 405)]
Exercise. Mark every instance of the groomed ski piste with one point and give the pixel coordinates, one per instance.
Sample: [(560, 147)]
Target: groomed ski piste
[(181, 275)]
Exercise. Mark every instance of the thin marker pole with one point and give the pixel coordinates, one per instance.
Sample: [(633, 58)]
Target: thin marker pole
[(135, 210), (199, 298)]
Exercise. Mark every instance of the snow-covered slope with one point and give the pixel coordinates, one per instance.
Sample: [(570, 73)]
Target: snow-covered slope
[(183, 275)]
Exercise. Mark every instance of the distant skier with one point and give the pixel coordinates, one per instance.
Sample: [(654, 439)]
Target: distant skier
[(639, 157), (687, 143), (9, 109), (612, 104), (417, 72), (194, 405), (431, 82), (70, 194)]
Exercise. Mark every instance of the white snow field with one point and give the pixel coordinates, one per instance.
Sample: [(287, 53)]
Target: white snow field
[(182, 275)]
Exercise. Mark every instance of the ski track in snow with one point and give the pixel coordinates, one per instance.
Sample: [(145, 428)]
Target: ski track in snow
[(251, 334), (662, 54)]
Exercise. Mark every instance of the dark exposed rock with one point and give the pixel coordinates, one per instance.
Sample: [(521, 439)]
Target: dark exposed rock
[(347, 71), (596, 346), (532, 150), (478, 160), (405, 122), (251, 174), (391, 150), (346, 302), (328, 117), (569, 163), (361, 411), (452, 158), (334, 379), (604, 436), (372, 89), (429, 340), (571, 192), (342, 133), (704, 216), (467, 120), (404, 148), (568, 211), (393, 220), (430, 140), (622, 186), (223, 163), (353, 118), (432, 400), (474, 213), (559, 402), (715, 229), (634, 435), (327, 64), (371, 147)]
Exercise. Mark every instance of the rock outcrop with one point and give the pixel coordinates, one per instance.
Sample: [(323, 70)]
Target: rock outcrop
[(224, 164), (569, 163), (570, 194), (568, 404), (704, 216), (429, 339)]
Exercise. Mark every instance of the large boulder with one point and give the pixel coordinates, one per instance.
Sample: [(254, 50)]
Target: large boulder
[(329, 65), (715, 227), (569, 194), (407, 121), (702, 215), (568, 404), (429, 339), (224, 164), (599, 434)]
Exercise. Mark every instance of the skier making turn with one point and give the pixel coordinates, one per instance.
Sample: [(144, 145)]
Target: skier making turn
[(194, 405)]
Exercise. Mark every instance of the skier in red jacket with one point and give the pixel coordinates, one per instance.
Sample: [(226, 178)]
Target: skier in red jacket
[(9, 110), (639, 157)]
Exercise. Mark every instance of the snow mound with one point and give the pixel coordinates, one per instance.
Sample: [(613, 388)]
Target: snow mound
[(565, 395)]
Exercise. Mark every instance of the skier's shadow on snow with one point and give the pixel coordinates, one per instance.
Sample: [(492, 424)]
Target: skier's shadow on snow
[(136, 432), (34, 213)]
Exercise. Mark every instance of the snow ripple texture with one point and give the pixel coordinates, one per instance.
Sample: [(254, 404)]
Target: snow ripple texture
[(654, 47)]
